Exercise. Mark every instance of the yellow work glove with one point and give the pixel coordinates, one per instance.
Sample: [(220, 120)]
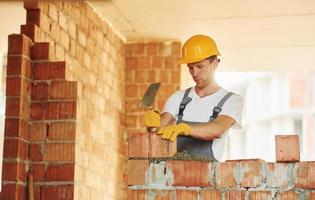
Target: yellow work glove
[(152, 119), (172, 131)]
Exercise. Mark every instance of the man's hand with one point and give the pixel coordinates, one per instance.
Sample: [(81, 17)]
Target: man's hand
[(152, 119), (172, 131)]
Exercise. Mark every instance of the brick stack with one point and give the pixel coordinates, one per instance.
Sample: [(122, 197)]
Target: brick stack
[(16, 140), (76, 103), (40, 123), (52, 127), (248, 179)]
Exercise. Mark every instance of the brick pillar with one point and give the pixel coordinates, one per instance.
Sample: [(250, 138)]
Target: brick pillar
[(17, 113), (52, 127), (40, 122)]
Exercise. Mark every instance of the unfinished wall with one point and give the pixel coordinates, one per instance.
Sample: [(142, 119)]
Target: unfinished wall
[(181, 178), (73, 113)]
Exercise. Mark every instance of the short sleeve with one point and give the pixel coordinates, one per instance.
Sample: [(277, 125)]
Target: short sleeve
[(172, 103), (233, 107)]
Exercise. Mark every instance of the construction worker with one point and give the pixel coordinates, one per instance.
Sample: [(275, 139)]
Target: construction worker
[(199, 117)]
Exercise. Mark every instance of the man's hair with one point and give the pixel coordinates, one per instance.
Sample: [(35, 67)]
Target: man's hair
[(211, 58)]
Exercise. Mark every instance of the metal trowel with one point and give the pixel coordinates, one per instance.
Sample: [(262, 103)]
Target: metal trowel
[(148, 99)]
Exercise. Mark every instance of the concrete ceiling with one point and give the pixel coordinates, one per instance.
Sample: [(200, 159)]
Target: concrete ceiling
[(251, 34)]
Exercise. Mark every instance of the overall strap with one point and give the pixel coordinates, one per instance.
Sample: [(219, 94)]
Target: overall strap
[(186, 99), (218, 108)]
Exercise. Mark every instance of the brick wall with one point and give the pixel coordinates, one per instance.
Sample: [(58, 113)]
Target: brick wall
[(65, 105), (250, 179), (149, 62)]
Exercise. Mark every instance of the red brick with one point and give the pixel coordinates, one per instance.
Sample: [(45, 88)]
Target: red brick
[(16, 128), (135, 49), (311, 195), (133, 106), (163, 195), (57, 192), (33, 16), (158, 62), (165, 77), (38, 171), (176, 49), (279, 175), (131, 121), (31, 30), (131, 63), (288, 195), (13, 86), (36, 152), (40, 51), (159, 147), (25, 108), (13, 107), (18, 65), (37, 111), (65, 39), (305, 175), (151, 76), (62, 131), (144, 63), (259, 195), (60, 172), (151, 48), (49, 70), (175, 77), (59, 152), (39, 91), (13, 171), (19, 44), (251, 173), (140, 76), (33, 4), (138, 145), (63, 90), (287, 148), (234, 195), (186, 194), (37, 132), (131, 91), (136, 194), (225, 175), (60, 110), (13, 191), (171, 63), (15, 148), (211, 195), (198, 173), (137, 171)]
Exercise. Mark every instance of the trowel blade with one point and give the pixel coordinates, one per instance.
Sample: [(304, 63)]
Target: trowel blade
[(149, 95)]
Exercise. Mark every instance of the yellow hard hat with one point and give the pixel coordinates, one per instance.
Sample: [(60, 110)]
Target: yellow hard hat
[(198, 48)]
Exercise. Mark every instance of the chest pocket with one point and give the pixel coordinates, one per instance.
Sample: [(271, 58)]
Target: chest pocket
[(193, 146)]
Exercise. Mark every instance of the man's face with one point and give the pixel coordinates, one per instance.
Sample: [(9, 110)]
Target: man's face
[(203, 71)]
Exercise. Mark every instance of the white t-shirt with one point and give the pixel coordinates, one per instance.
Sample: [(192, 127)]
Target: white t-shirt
[(199, 109)]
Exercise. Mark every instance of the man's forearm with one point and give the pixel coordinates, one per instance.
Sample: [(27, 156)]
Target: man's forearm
[(212, 130)]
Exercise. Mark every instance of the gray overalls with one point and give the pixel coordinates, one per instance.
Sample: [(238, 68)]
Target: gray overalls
[(193, 146)]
